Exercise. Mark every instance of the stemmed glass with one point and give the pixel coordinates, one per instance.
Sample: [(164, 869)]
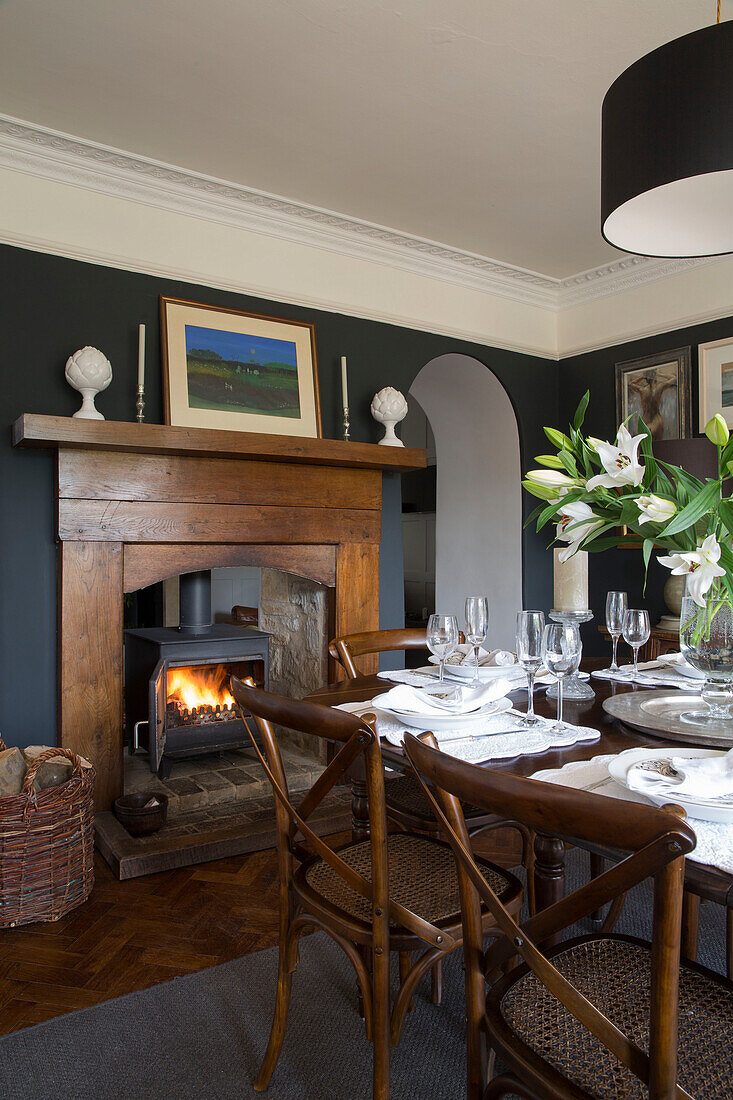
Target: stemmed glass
[(477, 626), (561, 650), (530, 627), (442, 637), (636, 631), (616, 605)]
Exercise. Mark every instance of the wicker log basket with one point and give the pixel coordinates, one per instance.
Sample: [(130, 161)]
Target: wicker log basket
[(46, 845)]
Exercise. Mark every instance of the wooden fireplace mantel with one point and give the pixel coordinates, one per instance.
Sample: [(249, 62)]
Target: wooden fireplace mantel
[(140, 502), (36, 430)]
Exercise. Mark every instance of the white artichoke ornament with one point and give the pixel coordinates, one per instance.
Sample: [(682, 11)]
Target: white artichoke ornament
[(89, 372), (389, 407)]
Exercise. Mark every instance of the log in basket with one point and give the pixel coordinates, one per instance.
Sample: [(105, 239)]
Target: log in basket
[(47, 845)]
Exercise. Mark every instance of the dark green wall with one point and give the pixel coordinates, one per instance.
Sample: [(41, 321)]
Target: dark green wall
[(623, 569), (51, 306)]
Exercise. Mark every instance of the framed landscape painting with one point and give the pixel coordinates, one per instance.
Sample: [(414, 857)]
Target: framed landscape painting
[(657, 388), (224, 368), (715, 371)]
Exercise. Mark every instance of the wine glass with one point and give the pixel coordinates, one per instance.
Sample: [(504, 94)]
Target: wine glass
[(636, 632), (561, 650), (530, 628), (442, 637), (477, 625), (616, 605)]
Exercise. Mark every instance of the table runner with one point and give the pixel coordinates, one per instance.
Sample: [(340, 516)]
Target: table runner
[(714, 841)]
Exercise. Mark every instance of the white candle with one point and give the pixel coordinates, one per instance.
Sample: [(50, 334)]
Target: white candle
[(344, 384), (571, 582), (141, 356)]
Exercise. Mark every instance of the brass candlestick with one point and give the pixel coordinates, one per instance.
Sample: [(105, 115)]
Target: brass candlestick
[(346, 422), (140, 404)]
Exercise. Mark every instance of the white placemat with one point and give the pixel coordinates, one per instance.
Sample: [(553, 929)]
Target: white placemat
[(650, 674), (714, 842), (498, 737)]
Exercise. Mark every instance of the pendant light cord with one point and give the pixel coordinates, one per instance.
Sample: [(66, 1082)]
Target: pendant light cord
[(718, 10)]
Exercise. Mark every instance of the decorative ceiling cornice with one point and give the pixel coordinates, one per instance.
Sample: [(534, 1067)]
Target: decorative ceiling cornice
[(38, 151)]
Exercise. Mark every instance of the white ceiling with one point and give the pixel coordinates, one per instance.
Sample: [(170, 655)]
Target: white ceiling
[(470, 122)]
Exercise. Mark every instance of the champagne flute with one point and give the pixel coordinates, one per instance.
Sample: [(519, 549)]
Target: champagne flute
[(530, 628), (477, 626), (442, 637), (561, 650), (616, 605), (636, 632)]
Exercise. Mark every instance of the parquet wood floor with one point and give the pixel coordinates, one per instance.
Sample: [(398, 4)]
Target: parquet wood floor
[(131, 935), (134, 934)]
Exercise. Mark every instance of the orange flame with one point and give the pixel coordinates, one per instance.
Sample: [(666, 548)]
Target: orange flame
[(199, 687)]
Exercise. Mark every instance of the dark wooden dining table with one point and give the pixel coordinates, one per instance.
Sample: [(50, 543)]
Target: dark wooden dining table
[(702, 882)]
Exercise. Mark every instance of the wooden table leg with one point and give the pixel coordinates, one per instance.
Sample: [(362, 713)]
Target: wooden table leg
[(729, 943), (690, 921), (549, 873)]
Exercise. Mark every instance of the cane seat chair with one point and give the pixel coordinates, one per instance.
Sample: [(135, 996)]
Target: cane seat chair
[(389, 893), (600, 1016), (407, 804)]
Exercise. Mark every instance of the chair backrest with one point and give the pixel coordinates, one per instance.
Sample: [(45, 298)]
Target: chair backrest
[(359, 745), (657, 840), (349, 646)]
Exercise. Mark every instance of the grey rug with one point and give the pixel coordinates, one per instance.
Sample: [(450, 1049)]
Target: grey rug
[(203, 1036)]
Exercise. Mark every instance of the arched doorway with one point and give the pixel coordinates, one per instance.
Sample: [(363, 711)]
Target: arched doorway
[(478, 524)]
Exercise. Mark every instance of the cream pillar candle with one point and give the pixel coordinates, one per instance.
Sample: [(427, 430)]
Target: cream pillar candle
[(141, 355), (571, 582), (344, 384)]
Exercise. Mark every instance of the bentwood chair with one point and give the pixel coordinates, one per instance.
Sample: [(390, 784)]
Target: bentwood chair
[(595, 1016), (389, 893), (407, 806)]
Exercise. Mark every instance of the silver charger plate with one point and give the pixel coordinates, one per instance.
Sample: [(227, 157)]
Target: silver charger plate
[(658, 713)]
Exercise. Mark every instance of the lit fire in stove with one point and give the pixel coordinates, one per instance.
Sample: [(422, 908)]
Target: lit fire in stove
[(200, 693)]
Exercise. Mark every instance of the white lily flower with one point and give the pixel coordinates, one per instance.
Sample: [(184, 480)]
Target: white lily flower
[(621, 462), (571, 515), (701, 567), (654, 509)]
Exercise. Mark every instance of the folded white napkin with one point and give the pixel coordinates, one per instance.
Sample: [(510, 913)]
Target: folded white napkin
[(699, 777), (456, 700), (677, 661), (464, 655)]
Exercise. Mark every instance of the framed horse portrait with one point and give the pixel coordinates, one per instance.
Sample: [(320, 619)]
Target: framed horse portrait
[(656, 388)]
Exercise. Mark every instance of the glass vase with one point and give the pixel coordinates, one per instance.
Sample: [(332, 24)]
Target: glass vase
[(706, 641)]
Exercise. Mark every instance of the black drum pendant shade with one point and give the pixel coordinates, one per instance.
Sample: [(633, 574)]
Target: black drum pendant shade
[(667, 149)]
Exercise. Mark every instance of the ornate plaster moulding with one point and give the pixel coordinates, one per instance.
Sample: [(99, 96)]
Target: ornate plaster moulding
[(26, 147)]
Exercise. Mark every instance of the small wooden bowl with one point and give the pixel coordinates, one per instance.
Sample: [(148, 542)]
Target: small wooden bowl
[(131, 811)]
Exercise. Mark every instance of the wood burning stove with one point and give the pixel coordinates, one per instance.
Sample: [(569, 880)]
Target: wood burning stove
[(177, 680)]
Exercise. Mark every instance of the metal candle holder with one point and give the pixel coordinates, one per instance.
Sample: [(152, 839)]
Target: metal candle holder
[(140, 404), (346, 422)]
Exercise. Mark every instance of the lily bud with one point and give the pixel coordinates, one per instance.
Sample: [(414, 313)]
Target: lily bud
[(558, 439), (716, 430), (552, 478), (553, 461), (544, 492)]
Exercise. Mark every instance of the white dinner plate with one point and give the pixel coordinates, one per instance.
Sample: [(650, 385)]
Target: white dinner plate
[(704, 809), (443, 721)]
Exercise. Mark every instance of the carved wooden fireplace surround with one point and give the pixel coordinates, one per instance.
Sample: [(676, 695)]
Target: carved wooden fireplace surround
[(141, 502)]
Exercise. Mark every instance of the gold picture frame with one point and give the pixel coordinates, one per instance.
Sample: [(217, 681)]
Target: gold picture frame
[(239, 371)]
